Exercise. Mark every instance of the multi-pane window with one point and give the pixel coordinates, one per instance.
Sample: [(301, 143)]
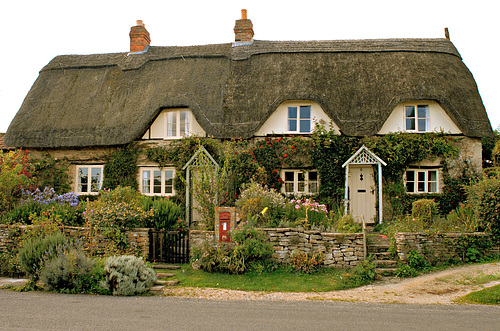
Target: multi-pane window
[(89, 179), (422, 181), (170, 124), (300, 182), (177, 123), (299, 119), (157, 182), (417, 118)]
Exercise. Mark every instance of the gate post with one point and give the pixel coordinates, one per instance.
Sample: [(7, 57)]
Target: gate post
[(225, 221)]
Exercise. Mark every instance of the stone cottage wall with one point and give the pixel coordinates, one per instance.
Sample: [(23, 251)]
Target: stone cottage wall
[(338, 249), (136, 237), (441, 247)]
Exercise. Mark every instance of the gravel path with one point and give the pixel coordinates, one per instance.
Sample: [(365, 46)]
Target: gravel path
[(441, 287)]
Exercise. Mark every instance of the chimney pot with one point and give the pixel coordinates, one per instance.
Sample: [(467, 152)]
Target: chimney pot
[(243, 29), (139, 37)]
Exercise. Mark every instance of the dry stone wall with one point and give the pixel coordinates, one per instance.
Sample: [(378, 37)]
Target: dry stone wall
[(338, 249), (137, 238), (441, 247)]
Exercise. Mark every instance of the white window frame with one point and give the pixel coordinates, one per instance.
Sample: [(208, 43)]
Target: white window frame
[(301, 182), (91, 188), (299, 119), (422, 181), (421, 121), (147, 182), (174, 128)]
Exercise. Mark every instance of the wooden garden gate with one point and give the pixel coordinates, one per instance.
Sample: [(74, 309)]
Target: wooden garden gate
[(169, 246)]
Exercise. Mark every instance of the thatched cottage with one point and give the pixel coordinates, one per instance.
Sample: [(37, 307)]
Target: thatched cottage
[(81, 105)]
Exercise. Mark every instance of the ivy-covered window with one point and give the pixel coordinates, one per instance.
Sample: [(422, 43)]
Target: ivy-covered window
[(299, 119), (89, 178), (156, 181), (300, 182), (417, 118), (421, 181)]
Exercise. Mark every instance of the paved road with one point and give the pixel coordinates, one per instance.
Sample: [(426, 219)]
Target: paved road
[(47, 311)]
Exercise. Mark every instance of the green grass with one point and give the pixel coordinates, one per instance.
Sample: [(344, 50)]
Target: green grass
[(281, 280), (487, 296)]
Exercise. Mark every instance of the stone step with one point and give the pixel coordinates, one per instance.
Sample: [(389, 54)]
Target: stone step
[(386, 263), (385, 271), (378, 248), (167, 282), (382, 255), (164, 275), (156, 289), (166, 266)]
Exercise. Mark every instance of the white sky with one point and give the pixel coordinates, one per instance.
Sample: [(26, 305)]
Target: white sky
[(34, 32)]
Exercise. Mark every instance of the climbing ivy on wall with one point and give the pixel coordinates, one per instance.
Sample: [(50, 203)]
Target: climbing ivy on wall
[(120, 168), (261, 160)]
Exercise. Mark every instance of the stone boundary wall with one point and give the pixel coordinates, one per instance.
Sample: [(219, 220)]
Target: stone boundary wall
[(339, 249), (439, 246), (136, 237)]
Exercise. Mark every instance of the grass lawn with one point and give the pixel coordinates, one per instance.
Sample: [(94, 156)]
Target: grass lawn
[(280, 280), (487, 296)]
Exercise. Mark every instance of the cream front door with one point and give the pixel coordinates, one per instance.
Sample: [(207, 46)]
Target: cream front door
[(362, 198)]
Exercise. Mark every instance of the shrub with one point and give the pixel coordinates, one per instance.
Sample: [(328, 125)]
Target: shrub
[(35, 252), (165, 213), (484, 198), (364, 273), (405, 271), (15, 174), (70, 272), (471, 249), (417, 261), (250, 248), (255, 198), (10, 265), (307, 262), (424, 209), (127, 275)]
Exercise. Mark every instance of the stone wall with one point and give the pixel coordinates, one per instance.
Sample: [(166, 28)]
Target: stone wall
[(136, 237), (441, 247), (339, 249)]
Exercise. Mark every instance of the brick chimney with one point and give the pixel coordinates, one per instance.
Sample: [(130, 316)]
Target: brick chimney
[(139, 37), (243, 30)]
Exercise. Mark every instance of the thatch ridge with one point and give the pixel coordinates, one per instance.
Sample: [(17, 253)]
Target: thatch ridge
[(111, 99)]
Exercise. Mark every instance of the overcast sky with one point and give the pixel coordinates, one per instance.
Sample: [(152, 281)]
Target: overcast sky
[(34, 32)]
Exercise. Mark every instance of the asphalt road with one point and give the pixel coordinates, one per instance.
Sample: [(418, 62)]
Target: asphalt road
[(47, 311)]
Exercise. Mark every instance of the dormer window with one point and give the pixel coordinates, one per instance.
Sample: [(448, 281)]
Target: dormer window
[(299, 119), (174, 124), (417, 118)]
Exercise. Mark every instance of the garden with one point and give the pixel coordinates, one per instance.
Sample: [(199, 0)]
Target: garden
[(35, 199)]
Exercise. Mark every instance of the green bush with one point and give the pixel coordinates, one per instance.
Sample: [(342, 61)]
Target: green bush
[(417, 261), (472, 249), (405, 271), (362, 274), (166, 214), (483, 197), (70, 272), (127, 275), (250, 248), (35, 252), (10, 265), (254, 200), (425, 209)]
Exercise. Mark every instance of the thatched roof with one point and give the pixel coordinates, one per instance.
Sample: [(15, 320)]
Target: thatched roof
[(111, 99)]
